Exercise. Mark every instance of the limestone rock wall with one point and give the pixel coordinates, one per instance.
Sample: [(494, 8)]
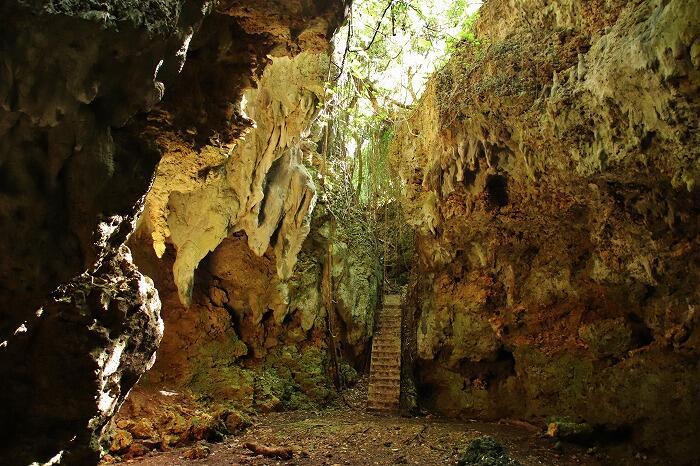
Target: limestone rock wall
[(90, 344), (85, 90), (250, 341), (551, 173), (258, 184), (242, 314), (240, 257)]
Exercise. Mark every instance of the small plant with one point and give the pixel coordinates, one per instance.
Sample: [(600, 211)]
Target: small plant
[(486, 451)]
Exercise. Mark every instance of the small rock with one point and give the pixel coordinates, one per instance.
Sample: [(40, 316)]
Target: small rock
[(197, 452), (571, 431), (143, 429), (123, 423), (236, 422), (108, 459), (121, 440), (136, 450)]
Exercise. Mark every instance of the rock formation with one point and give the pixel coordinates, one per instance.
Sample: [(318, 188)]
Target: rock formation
[(245, 330), (86, 87), (257, 185), (551, 172), (249, 342)]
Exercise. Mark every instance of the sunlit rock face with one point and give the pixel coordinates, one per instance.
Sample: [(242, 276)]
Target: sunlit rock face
[(253, 341), (250, 342), (551, 171), (85, 90), (239, 252), (258, 184)]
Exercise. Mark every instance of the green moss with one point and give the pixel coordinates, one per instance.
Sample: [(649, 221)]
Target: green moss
[(555, 383), (287, 379), (227, 349), (486, 451), (305, 375), (270, 390), (611, 337), (291, 379), (229, 384), (216, 376), (348, 373)]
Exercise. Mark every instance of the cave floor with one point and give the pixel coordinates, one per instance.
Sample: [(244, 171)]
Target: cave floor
[(346, 436)]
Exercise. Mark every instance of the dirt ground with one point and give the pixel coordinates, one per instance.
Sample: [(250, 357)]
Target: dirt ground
[(352, 437)]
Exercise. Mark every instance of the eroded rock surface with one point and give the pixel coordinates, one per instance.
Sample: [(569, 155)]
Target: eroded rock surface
[(552, 173), (69, 367), (85, 89), (243, 263), (258, 184), (250, 342)]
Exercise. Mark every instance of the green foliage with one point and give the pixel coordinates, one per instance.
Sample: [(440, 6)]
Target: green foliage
[(387, 52), (486, 451), (466, 30), (393, 46)]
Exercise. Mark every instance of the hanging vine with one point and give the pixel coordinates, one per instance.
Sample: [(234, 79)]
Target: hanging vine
[(384, 59)]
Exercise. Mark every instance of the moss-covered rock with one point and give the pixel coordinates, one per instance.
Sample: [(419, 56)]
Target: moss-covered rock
[(271, 390), (566, 429), (225, 383), (610, 337), (486, 451), (348, 373), (304, 375), (452, 323), (554, 381)]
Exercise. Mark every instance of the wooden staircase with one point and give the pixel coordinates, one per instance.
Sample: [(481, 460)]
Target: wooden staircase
[(385, 368)]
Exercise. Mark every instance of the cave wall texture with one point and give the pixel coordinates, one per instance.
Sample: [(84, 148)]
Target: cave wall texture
[(258, 185), (245, 284), (85, 89), (249, 342), (552, 174)]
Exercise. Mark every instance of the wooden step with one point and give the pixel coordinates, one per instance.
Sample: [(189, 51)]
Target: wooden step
[(385, 369), (386, 345), (383, 408), (385, 353)]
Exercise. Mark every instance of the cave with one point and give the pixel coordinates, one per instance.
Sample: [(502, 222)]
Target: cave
[(496, 191), (324, 232)]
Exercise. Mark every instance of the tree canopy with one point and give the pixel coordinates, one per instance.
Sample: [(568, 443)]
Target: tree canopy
[(383, 58)]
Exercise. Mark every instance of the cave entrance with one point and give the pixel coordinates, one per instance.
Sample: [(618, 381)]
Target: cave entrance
[(496, 191)]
